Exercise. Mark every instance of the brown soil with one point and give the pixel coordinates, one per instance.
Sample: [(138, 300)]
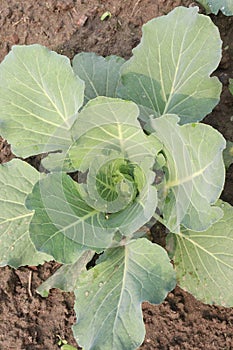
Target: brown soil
[(5, 151), (29, 322)]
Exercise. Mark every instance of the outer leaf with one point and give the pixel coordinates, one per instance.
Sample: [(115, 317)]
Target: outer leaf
[(196, 173), (39, 99), (101, 75), (65, 278), (63, 224), (109, 296), (16, 181), (213, 6), (204, 261), (170, 69)]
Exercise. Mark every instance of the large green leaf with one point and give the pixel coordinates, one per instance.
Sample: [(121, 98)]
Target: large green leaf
[(196, 173), (213, 6), (17, 179), (204, 260), (39, 99), (170, 69), (65, 278), (101, 75), (109, 296), (63, 224)]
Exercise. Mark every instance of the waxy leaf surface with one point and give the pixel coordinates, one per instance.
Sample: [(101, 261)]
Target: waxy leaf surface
[(101, 75), (17, 179), (204, 260), (170, 69), (109, 296), (39, 100), (63, 224), (196, 173)]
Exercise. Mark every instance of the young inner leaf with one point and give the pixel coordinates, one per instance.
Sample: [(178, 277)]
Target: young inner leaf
[(117, 183)]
